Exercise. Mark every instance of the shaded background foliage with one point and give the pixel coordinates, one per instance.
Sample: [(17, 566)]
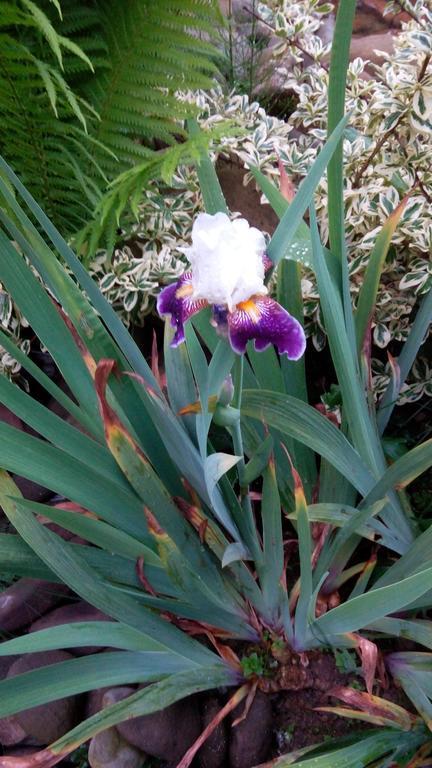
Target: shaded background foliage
[(86, 88)]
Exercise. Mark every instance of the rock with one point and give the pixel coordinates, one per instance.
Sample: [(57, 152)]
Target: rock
[(245, 200), (67, 614), (167, 734), (10, 418), (11, 732), (250, 740), (5, 664), (109, 749), (26, 600), (370, 17), (272, 71), (95, 699), (31, 490), (46, 722), (113, 695), (369, 47), (240, 10), (213, 753)]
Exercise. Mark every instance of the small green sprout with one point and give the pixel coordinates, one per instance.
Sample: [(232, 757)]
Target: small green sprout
[(345, 660), (253, 665)]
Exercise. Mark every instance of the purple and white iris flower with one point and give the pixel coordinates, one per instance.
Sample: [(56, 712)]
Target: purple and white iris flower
[(227, 272)]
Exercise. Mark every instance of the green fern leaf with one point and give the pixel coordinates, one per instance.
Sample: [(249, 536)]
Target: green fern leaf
[(88, 91), (45, 27)]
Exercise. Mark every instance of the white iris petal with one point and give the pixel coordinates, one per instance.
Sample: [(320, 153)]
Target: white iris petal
[(227, 260)]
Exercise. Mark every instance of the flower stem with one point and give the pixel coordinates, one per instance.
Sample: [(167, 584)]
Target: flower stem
[(236, 429), (251, 539), (237, 438)]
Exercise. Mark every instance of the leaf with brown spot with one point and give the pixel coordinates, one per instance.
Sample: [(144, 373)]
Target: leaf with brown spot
[(189, 563), (159, 377), (85, 354), (368, 652), (206, 529), (368, 706), (109, 417), (286, 186), (197, 407)]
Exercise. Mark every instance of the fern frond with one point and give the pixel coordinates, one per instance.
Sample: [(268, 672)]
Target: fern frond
[(41, 138), (125, 192), (153, 50), (46, 29), (79, 18), (87, 86)]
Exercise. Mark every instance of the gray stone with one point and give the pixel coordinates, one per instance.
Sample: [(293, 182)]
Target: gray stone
[(26, 600), (109, 749), (213, 753), (46, 722), (250, 740), (167, 734), (71, 613)]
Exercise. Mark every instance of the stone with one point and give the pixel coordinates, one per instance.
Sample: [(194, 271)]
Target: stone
[(109, 749), (236, 8), (10, 418), (245, 200), (31, 490), (46, 722), (370, 17), (27, 600), (250, 740), (369, 47), (113, 695), (71, 613), (95, 699), (5, 664), (167, 734), (10, 732), (213, 753)]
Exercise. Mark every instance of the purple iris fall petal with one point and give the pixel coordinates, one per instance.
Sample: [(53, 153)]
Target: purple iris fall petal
[(175, 300), (264, 320)]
